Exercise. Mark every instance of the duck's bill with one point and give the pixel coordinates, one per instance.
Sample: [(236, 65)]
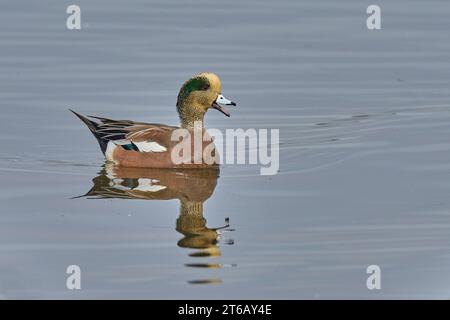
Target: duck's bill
[(220, 102), (221, 109)]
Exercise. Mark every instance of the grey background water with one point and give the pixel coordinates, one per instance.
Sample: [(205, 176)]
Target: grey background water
[(364, 147)]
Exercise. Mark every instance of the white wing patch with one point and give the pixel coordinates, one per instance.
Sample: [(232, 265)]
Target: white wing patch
[(148, 185), (150, 146), (109, 151), (144, 184), (121, 141)]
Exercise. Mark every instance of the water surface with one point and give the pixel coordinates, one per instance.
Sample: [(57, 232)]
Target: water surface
[(364, 147)]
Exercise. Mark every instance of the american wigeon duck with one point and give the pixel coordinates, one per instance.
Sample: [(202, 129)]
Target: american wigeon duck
[(149, 145)]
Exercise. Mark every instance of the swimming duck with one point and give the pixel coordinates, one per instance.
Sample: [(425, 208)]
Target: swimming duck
[(149, 145)]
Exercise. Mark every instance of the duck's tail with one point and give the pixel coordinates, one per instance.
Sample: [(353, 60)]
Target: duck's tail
[(93, 126)]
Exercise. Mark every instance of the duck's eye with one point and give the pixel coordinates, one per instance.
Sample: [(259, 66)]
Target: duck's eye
[(194, 84), (197, 84)]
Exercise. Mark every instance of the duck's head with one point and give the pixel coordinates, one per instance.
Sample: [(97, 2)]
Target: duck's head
[(198, 95)]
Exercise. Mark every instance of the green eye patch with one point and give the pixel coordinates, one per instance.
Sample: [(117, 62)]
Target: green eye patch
[(194, 84)]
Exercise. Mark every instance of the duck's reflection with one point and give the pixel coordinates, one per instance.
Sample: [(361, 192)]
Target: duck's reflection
[(192, 187)]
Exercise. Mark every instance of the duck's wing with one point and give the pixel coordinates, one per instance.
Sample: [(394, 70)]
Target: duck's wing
[(131, 135), (150, 137)]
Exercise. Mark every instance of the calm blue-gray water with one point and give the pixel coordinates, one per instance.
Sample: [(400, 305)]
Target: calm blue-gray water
[(364, 120)]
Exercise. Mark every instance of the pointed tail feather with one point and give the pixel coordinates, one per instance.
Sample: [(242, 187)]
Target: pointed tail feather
[(93, 126)]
